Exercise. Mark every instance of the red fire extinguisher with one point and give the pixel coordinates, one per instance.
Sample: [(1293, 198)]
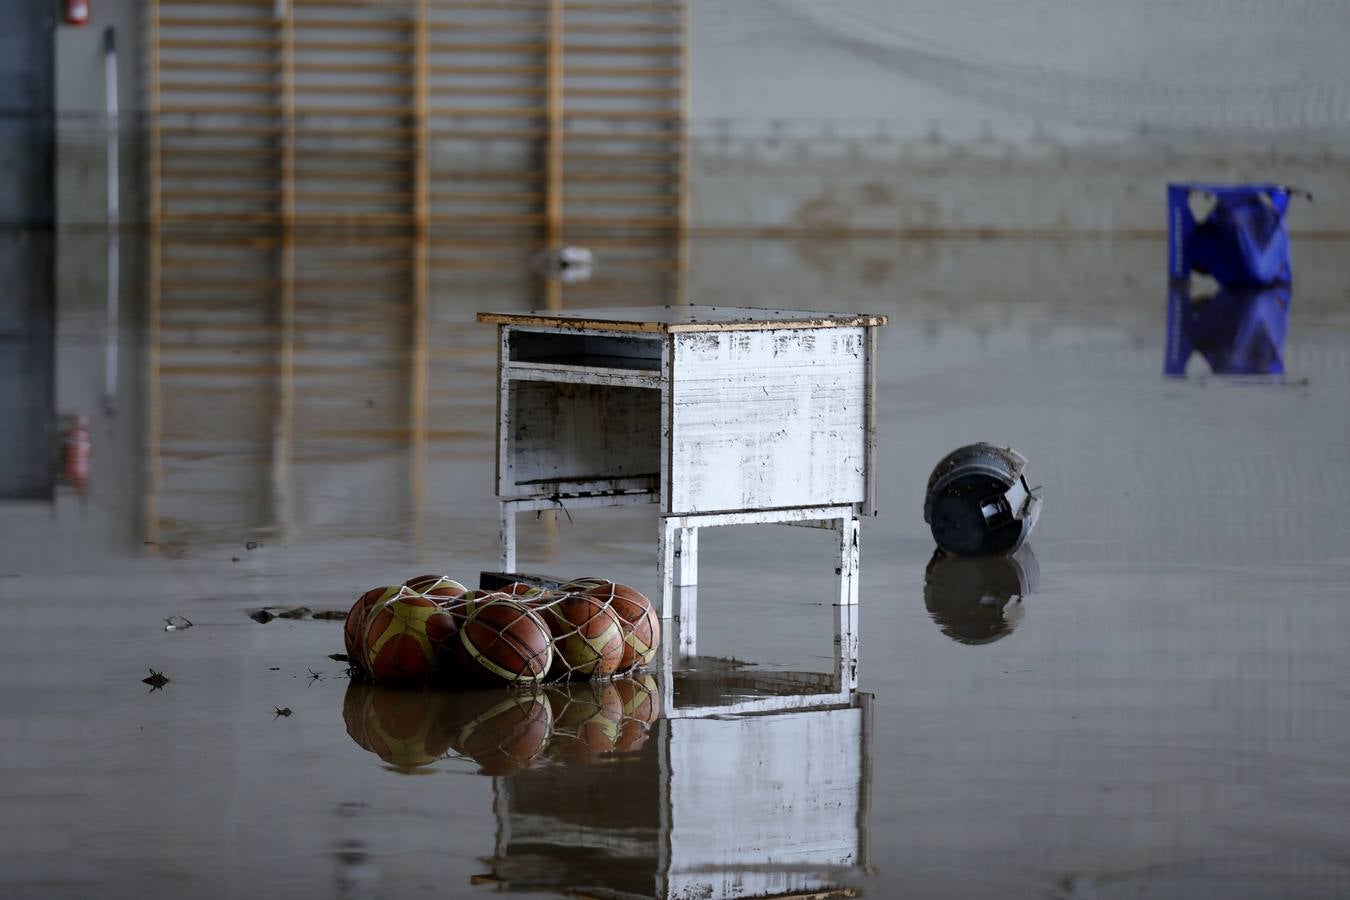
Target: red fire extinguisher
[(76, 447), (76, 12)]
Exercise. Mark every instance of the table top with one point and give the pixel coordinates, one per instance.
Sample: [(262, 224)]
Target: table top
[(669, 319)]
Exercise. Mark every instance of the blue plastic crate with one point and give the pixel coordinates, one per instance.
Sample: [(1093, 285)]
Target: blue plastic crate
[(1242, 243)]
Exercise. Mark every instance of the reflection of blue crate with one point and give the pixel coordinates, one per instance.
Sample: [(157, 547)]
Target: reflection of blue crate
[(1239, 331), (1243, 242)]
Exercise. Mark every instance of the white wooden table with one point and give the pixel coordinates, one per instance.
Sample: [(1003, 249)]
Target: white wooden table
[(723, 416)]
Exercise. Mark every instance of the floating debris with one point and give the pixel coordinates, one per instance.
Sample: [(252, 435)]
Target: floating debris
[(261, 616), (281, 711), (978, 501), (314, 676), (340, 657), (156, 680), (253, 545), (330, 615), (177, 623), (298, 612), (274, 668), (234, 559)]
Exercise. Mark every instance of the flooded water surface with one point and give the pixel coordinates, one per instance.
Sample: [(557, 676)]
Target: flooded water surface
[(1152, 698)]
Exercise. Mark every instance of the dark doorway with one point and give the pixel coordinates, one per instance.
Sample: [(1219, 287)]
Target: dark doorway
[(27, 242)]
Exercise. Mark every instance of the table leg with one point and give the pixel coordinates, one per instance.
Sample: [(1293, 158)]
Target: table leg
[(846, 620), (846, 647), (508, 535), (665, 565), (687, 619), (850, 530), (665, 660), (686, 557)]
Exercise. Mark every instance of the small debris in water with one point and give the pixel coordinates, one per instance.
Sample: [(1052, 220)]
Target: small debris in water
[(330, 615), (295, 613), (314, 676), (340, 657), (274, 668), (253, 545), (156, 680), (177, 623), (261, 616), (281, 711), (234, 559)]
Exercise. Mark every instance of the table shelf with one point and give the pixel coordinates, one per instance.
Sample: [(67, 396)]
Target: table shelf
[(585, 369)]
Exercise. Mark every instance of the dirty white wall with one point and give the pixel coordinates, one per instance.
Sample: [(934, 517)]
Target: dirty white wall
[(938, 114), (976, 115), (1083, 69)]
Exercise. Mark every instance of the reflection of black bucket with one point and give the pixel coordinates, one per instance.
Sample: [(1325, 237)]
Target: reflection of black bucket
[(978, 502), (969, 597)]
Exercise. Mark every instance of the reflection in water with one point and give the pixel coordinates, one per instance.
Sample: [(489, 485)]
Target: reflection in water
[(274, 353), (597, 793), (969, 597), (730, 806), (503, 731), (1237, 331)]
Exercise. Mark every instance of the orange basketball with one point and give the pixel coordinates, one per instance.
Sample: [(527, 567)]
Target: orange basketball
[(504, 640), (402, 636), (642, 628), (460, 608), (449, 653), (577, 585), (355, 625), (436, 586), (501, 730), (525, 591), (481, 597), (587, 636)]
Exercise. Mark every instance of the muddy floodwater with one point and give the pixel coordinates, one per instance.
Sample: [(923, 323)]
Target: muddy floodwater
[(1152, 699)]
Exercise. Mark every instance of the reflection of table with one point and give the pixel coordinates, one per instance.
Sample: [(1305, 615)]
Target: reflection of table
[(723, 416), (732, 806)]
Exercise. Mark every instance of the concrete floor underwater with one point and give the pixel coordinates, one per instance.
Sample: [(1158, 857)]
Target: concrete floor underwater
[(1163, 711)]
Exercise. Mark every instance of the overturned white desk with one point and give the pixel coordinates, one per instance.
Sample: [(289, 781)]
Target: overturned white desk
[(723, 416)]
